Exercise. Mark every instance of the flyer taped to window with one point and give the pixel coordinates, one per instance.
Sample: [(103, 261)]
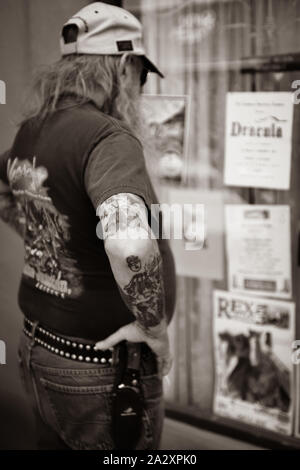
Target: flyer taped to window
[(258, 139), (258, 246)]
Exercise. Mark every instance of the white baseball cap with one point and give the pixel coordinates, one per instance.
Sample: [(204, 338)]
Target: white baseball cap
[(106, 30)]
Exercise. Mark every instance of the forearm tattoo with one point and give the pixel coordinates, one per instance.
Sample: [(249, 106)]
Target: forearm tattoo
[(144, 293), (134, 263), (121, 212)]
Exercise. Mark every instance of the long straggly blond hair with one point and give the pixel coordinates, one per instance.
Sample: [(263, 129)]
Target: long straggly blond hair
[(95, 78)]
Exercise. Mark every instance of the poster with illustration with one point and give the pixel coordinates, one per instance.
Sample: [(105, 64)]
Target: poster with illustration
[(166, 118), (253, 366), (193, 220), (258, 245), (258, 139)]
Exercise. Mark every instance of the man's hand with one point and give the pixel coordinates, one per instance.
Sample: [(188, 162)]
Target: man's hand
[(133, 333)]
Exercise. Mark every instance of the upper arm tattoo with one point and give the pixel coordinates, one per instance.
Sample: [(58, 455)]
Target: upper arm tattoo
[(123, 211)]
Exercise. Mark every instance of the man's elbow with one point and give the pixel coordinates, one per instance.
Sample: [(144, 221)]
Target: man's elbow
[(124, 248)]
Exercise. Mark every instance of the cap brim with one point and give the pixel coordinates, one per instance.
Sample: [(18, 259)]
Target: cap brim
[(150, 66)]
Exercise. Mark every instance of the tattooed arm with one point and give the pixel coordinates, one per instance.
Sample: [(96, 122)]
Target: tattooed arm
[(137, 266)]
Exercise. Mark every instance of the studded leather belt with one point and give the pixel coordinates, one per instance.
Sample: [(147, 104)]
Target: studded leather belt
[(84, 351), (64, 347)]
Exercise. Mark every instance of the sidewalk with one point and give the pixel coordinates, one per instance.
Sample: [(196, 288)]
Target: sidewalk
[(181, 436)]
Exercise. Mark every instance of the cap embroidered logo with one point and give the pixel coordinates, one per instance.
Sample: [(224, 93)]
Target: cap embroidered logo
[(124, 46)]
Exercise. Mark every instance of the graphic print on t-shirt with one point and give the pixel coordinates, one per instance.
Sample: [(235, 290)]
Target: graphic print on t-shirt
[(47, 261)]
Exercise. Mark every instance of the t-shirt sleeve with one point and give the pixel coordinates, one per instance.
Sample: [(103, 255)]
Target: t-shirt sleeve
[(117, 165)]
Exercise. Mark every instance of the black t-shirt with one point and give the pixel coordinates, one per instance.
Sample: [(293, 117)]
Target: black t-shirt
[(59, 172)]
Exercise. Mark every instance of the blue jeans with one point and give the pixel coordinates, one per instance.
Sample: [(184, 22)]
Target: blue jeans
[(72, 401)]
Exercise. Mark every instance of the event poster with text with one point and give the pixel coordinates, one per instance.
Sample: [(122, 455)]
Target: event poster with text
[(259, 249), (253, 366), (258, 139)]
